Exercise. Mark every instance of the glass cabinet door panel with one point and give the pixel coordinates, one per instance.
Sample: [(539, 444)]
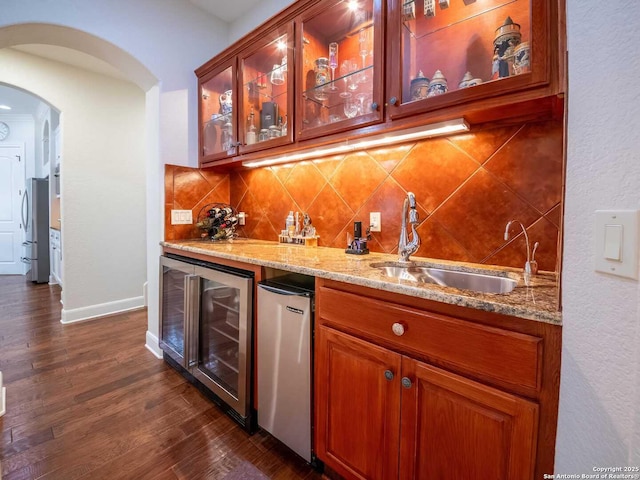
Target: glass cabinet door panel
[(267, 94), (219, 336), (173, 307), (217, 114), (340, 78), (448, 46)]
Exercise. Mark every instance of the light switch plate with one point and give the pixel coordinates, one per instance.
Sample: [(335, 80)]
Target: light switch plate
[(616, 234), (181, 217), (375, 222)]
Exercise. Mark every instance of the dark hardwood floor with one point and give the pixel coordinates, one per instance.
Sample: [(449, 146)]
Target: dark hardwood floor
[(89, 401)]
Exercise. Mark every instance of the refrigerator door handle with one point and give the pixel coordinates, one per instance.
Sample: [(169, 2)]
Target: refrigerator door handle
[(25, 201), (281, 291), (192, 312)]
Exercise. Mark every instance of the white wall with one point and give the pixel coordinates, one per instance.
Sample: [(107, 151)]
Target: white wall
[(156, 42), (103, 180), (599, 418)]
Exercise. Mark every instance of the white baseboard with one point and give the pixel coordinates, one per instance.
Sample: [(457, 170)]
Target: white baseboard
[(145, 293), (3, 402), (101, 310), (152, 344)]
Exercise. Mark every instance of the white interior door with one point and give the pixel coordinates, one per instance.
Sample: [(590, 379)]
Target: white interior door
[(12, 185)]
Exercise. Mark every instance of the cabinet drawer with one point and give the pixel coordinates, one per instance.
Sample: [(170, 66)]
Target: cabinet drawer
[(487, 352)]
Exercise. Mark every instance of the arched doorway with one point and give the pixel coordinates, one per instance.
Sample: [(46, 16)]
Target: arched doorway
[(105, 140)]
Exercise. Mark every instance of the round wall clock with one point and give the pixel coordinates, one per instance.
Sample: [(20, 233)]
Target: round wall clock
[(4, 130)]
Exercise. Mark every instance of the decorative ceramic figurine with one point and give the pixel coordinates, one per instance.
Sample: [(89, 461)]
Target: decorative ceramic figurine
[(419, 87), (226, 103), (429, 8), (508, 37), (437, 85), (469, 81), (408, 10), (521, 59)]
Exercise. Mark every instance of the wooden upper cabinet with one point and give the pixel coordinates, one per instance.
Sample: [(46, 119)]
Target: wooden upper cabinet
[(218, 112), (335, 70), (340, 67), (447, 53), (266, 72)]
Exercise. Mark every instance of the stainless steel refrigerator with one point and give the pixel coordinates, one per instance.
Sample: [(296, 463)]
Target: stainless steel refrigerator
[(285, 323), (35, 221)]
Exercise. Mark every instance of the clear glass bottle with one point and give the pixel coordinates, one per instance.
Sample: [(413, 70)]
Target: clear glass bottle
[(251, 130)]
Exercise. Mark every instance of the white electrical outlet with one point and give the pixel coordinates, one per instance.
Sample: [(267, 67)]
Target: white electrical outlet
[(181, 217), (242, 218), (375, 222)]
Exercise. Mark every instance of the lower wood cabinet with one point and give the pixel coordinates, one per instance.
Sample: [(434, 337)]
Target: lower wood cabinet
[(454, 428), (357, 406), (382, 415), (386, 411)]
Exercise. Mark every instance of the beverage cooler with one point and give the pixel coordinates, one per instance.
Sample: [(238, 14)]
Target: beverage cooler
[(206, 319)]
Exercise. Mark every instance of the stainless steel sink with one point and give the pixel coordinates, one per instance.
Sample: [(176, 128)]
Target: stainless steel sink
[(477, 282)]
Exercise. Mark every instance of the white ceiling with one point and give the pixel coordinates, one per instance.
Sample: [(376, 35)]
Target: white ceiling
[(21, 102), (227, 10)]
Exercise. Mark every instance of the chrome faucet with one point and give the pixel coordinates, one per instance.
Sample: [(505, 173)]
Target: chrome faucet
[(406, 248), (530, 266)]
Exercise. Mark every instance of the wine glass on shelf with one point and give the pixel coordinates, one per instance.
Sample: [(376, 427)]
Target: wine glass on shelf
[(333, 63), (352, 82), (350, 108), (361, 97), (344, 73), (363, 41)]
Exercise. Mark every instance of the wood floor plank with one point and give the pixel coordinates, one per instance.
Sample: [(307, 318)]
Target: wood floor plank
[(88, 401)]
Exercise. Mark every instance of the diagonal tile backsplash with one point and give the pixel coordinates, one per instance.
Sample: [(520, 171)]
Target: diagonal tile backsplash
[(467, 186)]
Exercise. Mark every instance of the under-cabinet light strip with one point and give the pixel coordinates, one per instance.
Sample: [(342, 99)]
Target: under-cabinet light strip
[(424, 131)]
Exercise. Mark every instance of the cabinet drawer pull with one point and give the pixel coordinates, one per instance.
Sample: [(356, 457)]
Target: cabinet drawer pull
[(398, 329), (393, 100), (374, 106), (406, 383), (388, 374)]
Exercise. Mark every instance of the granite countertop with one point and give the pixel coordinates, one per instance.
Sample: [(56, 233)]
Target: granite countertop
[(538, 301)]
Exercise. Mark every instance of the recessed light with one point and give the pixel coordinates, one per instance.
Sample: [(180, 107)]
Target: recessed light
[(5, 107)]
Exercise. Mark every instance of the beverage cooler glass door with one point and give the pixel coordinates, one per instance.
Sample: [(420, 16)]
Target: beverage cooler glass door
[(223, 337), (178, 300)]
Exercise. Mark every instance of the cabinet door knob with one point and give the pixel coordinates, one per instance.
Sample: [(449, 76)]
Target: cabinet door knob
[(374, 106), (406, 383), (398, 329), (388, 374), (393, 100)]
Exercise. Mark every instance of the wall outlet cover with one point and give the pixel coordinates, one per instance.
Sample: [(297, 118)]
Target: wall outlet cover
[(375, 221), (181, 217)]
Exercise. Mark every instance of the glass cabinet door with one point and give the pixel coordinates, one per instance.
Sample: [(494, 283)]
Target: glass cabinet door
[(451, 51), (219, 339), (267, 92), (218, 137), (340, 69)]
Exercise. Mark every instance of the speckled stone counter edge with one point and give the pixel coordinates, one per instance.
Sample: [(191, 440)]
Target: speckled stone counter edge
[(538, 301)]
